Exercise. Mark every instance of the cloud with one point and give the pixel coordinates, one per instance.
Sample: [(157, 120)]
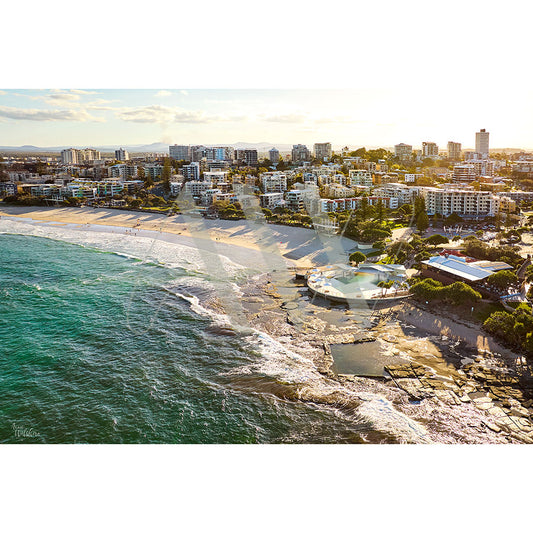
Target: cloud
[(75, 115), (287, 118), (82, 91), (165, 115), (163, 94), (2, 92), (184, 92)]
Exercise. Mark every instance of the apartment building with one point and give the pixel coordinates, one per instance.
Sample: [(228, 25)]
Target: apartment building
[(322, 151), (274, 182), (123, 171), (273, 155), (179, 152), (122, 155), (360, 177), (429, 149), (349, 204), (271, 200), (300, 152), (482, 143), (463, 202), (191, 171), (454, 151), (403, 151)]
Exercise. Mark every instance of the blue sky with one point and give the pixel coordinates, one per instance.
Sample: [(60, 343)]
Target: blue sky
[(354, 117)]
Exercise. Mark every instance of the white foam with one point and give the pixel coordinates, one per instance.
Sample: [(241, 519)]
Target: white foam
[(133, 246)]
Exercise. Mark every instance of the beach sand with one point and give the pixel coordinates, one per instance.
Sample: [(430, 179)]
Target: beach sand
[(300, 247)]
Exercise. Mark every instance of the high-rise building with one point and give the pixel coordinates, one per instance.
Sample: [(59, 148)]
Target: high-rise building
[(482, 143), (273, 155), (191, 171), (122, 155), (69, 156), (430, 149), (300, 152), (248, 157), (73, 156), (454, 151), (322, 151), (403, 151), (179, 152)]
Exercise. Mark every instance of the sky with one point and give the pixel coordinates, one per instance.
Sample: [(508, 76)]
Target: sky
[(354, 73), (353, 117)]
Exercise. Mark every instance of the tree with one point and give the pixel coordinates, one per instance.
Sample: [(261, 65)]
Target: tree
[(422, 221), (140, 173), (148, 181), (503, 279), (167, 170), (435, 240), (357, 257)]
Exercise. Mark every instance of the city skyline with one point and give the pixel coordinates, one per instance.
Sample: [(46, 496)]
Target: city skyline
[(60, 117)]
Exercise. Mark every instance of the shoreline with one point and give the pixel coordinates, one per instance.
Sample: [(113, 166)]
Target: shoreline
[(284, 245), (306, 330)]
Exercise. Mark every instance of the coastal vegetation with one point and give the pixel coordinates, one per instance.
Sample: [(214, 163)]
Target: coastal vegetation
[(473, 247), (457, 293), (515, 329)]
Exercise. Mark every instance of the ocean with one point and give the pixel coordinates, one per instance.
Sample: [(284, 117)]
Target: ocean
[(104, 339)]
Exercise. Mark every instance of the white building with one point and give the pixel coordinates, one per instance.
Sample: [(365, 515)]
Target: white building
[(196, 188), (123, 171), (191, 171), (462, 202), (429, 149), (216, 177), (454, 151), (403, 151), (122, 155), (274, 182), (271, 199), (482, 143), (360, 177)]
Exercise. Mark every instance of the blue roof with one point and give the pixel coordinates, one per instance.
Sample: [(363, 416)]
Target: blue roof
[(459, 267)]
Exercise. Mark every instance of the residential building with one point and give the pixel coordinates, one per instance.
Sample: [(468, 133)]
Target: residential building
[(429, 149), (463, 202), (482, 143), (360, 177), (274, 182), (411, 178), (191, 171), (300, 152), (273, 155), (122, 155), (323, 151), (466, 172), (454, 151), (179, 152), (403, 151), (247, 157), (216, 177), (123, 171), (271, 199), (196, 188)]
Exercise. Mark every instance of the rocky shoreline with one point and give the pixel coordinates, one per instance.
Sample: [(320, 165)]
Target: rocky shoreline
[(457, 393)]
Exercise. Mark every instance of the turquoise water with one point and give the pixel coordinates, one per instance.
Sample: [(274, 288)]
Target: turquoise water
[(100, 348)]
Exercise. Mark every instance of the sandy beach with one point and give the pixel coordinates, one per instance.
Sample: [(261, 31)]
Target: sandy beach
[(294, 246)]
